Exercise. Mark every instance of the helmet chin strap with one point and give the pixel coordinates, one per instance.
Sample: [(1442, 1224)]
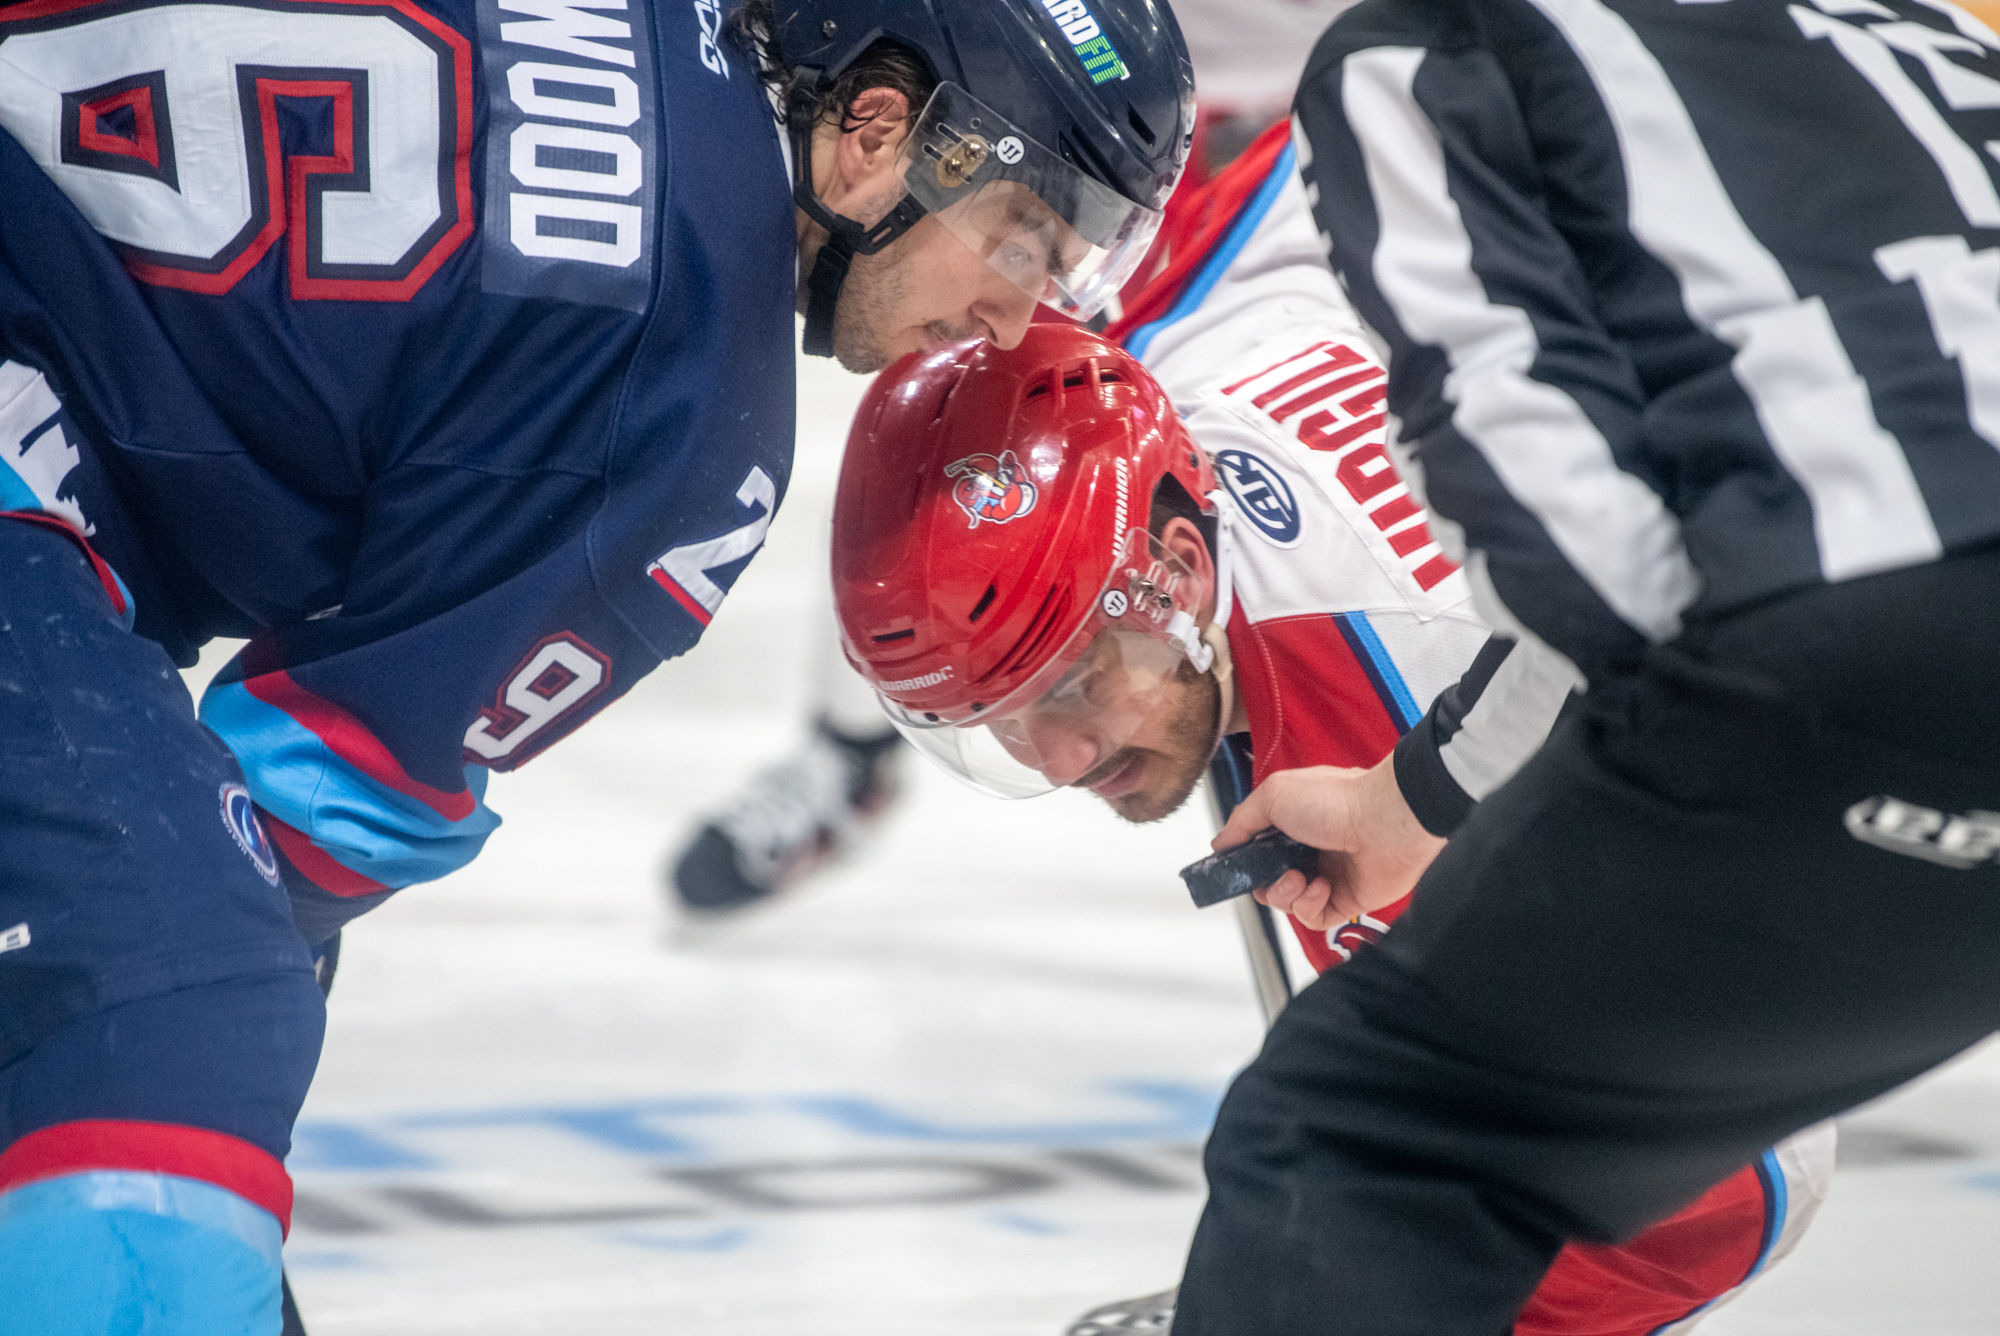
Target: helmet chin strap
[(845, 239)]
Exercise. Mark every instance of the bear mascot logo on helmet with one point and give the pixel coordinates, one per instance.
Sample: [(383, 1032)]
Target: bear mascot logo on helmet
[(990, 489)]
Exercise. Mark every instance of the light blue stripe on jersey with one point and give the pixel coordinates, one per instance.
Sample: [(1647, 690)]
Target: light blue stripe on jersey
[(1225, 254), (114, 1250), (15, 494), (360, 822), (1777, 1203), (1392, 678)]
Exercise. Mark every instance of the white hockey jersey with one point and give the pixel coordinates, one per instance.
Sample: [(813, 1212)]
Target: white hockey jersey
[(1332, 566)]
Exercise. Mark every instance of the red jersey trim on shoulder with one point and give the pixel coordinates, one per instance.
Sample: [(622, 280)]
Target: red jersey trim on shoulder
[(228, 1162), (105, 575), (349, 739), (1196, 222)]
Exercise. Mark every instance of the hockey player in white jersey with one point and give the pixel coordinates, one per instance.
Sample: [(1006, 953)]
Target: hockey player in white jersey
[(1050, 585)]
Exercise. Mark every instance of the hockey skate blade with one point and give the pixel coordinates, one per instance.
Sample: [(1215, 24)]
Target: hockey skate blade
[(1153, 1314)]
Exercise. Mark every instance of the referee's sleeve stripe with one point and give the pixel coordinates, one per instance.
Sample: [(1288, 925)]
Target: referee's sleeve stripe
[(1613, 529), (1511, 718), (1868, 513)]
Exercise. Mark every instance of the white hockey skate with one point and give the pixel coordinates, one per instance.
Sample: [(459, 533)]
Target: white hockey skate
[(1153, 1314), (791, 818)]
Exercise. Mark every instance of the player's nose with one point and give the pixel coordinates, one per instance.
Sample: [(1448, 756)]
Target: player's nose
[(1004, 309), (1063, 752)]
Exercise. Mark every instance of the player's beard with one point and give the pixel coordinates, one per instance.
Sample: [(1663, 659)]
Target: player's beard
[(868, 300), (1174, 768)]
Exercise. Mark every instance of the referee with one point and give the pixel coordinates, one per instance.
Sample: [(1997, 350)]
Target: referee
[(1694, 312)]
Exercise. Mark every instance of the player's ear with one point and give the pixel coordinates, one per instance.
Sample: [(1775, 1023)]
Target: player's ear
[(1182, 537), (870, 137)]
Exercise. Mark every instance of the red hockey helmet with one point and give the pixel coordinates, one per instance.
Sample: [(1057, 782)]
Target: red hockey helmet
[(991, 563)]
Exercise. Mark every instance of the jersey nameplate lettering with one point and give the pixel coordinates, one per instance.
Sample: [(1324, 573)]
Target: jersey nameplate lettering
[(1328, 399), (571, 153)]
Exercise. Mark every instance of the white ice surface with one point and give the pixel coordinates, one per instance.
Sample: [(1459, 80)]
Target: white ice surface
[(954, 1089)]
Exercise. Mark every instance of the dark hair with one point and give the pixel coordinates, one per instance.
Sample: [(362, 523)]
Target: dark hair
[(885, 64), (1172, 501)]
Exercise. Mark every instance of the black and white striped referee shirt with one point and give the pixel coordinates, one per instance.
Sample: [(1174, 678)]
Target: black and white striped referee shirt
[(1689, 303)]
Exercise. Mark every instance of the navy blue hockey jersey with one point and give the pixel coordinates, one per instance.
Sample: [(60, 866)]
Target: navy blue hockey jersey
[(441, 347)]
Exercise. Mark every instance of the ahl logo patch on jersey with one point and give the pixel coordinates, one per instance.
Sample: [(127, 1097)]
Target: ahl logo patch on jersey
[(240, 815), (1262, 495), (571, 149), (991, 489)]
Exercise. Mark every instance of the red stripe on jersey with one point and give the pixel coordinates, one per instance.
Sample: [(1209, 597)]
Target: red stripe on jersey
[(1433, 572), (1313, 434), (1405, 541), (1316, 393), (1367, 399), (118, 1145), (97, 563), (1298, 356), (1338, 357), (320, 867), (1196, 223), (681, 596), (349, 739), (1395, 512)]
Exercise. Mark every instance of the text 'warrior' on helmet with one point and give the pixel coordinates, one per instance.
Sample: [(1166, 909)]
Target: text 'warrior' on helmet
[(990, 518)]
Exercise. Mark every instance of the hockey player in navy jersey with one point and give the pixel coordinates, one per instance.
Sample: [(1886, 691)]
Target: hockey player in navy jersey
[(1064, 591), (443, 350)]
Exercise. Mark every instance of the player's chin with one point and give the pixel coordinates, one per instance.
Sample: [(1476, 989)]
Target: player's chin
[(1159, 797)]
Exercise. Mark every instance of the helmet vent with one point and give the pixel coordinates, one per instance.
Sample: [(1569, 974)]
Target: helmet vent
[(985, 602), (1047, 618), (1076, 379), (907, 633), (1139, 124)]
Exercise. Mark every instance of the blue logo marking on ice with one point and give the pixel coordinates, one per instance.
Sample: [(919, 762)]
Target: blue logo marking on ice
[(631, 1174), (1168, 1110), (1261, 494)]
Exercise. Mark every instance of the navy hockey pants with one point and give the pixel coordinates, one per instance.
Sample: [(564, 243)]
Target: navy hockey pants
[(1751, 886), (159, 1023)]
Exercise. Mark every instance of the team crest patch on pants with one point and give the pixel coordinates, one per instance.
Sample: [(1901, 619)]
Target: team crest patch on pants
[(1923, 832), (240, 815)]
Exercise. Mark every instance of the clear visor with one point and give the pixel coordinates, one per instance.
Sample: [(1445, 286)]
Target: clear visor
[(1068, 723), (1058, 235)]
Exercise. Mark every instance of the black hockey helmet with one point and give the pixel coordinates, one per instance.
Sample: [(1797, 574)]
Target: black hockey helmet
[(1086, 104)]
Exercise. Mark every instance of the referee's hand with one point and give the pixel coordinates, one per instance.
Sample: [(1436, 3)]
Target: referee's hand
[(1372, 848)]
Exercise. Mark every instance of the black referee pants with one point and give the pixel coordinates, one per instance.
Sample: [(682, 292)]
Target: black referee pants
[(1748, 887)]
